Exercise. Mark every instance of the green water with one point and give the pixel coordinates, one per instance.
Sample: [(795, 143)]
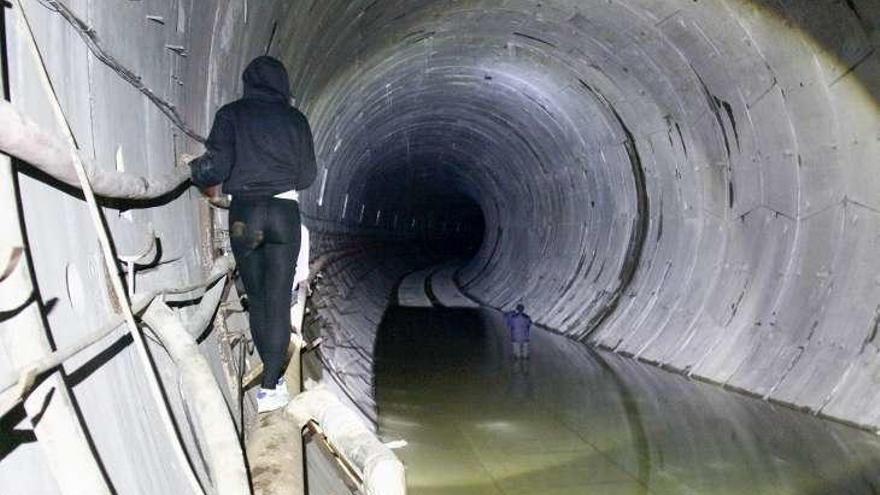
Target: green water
[(571, 421)]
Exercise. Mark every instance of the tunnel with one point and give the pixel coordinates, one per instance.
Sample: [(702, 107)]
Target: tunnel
[(680, 186)]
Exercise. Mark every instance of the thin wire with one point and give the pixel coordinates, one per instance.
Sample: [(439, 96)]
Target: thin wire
[(92, 41)]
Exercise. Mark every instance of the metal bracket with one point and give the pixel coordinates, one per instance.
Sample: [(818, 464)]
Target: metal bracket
[(350, 476)]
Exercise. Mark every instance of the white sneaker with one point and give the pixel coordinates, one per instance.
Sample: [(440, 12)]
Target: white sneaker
[(270, 400)]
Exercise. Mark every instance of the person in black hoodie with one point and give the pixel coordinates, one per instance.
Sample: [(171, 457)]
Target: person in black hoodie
[(261, 150)]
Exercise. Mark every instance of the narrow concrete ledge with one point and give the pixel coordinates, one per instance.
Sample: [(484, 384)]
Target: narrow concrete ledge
[(411, 291), (275, 450)]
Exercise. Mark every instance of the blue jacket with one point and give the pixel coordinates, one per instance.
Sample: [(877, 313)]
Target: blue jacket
[(519, 324)]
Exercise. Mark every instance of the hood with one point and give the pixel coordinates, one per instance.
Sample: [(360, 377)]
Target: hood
[(266, 78)]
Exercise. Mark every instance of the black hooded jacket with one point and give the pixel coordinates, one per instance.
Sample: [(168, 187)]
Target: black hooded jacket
[(259, 145)]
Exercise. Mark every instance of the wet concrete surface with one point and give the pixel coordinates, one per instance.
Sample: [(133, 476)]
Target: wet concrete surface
[(575, 421)]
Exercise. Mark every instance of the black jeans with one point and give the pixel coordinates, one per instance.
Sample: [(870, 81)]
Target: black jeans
[(265, 239)]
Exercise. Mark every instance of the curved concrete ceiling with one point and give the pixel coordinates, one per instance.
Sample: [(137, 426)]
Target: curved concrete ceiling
[(692, 183)]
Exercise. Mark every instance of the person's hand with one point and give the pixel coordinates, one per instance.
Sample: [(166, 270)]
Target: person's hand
[(216, 197), (184, 158), (212, 192)]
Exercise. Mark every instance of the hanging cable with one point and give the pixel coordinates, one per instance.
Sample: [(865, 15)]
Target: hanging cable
[(90, 37)]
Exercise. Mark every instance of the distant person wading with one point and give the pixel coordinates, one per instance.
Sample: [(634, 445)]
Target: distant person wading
[(261, 150), (520, 326)]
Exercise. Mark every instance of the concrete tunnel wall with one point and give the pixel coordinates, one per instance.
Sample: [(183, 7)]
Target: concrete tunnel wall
[(688, 182), (118, 128)]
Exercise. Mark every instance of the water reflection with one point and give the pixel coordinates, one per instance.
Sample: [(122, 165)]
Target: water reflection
[(573, 421)]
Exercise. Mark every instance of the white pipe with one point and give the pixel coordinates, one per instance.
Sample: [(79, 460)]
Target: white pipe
[(13, 258), (16, 385), (23, 338), (381, 470), (204, 314), (27, 141), (204, 397), (56, 425)]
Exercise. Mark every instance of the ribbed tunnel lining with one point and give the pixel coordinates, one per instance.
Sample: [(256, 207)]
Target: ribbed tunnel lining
[(672, 182)]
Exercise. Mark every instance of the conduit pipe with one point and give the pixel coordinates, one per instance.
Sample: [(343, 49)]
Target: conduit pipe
[(82, 174), (58, 431), (50, 409), (22, 138), (381, 470), (16, 253), (15, 386), (203, 395), (206, 310)]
